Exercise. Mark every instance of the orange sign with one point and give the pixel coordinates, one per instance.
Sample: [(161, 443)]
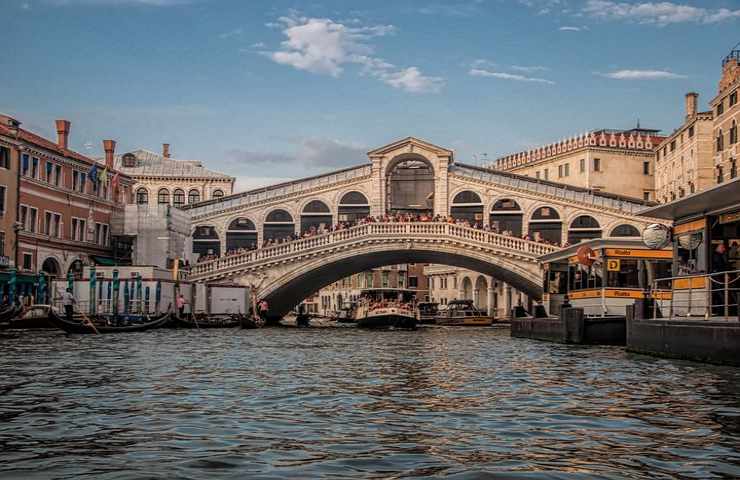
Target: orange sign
[(689, 282), (690, 227), (638, 253)]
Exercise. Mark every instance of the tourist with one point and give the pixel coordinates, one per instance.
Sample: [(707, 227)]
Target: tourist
[(181, 302), (68, 301)]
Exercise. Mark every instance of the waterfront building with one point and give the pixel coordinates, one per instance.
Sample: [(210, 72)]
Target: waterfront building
[(163, 180), (66, 201), (683, 160), (615, 161), (726, 118), (9, 155), (490, 295)]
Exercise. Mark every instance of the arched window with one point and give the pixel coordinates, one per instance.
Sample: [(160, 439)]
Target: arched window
[(584, 227), (218, 194), (315, 215), (142, 196), (410, 185), (241, 234), (546, 225), (506, 216), (625, 231), (353, 206), (467, 205), (163, 197), (278, 224), (193, 196), (178, 197)]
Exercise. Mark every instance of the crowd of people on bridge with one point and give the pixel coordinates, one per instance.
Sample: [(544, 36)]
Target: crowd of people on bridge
[(316, 230)]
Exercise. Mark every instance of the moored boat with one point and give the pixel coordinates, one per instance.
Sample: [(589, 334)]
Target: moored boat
[(386, 308), (8, 313), (427, 312), (108, 323), (463, 313), (201, 320)]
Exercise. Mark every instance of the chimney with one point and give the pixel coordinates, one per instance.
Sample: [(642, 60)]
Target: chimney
[(63, 133), (166, 150), (110, 147), (691, 101)]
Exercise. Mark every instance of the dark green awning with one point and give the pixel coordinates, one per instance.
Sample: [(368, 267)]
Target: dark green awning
[(104, 261)]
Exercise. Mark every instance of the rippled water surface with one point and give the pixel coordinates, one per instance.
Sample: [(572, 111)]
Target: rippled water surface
[(288, 403)]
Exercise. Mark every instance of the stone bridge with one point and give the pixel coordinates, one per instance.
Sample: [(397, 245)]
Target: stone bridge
[(408, 176)]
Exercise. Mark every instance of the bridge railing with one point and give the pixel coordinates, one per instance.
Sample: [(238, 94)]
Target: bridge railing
[(410, 231)]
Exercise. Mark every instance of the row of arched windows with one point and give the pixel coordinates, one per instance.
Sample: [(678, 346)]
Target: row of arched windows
[(178, 196)]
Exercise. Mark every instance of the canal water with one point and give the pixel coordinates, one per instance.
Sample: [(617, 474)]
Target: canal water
[(346, 403)]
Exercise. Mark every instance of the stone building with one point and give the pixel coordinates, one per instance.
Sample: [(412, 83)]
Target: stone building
[(683, 160), (726, 118), (9, 161), (489, 295), (163, 180), (64, 216), (616, 161)]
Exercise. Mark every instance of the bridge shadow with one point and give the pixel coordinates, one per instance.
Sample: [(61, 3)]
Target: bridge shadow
[(287, 295)]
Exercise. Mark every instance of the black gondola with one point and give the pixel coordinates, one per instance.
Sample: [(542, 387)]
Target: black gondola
[(206, 321), (8, 313), (110, 324)]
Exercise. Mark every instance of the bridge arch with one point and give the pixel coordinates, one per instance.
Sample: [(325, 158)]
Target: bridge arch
[(241, 232), (206, 241), (546, 222), (623, 229), (410, 181), (507, 215), (352, 205), (583, 227), (287, 289), (278, 223), (314, 213), (467, 204)]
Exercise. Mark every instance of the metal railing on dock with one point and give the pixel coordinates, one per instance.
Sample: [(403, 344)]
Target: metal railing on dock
[(712, 296)]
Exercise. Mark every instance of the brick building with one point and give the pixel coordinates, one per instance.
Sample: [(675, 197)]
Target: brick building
[(63, 215)]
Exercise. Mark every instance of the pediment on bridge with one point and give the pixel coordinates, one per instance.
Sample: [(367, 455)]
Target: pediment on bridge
[(410, 145)]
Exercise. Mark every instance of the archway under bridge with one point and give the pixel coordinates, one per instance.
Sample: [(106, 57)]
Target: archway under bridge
[(288, 289)]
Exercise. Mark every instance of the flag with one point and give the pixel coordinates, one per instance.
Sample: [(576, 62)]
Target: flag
[(116, 180), (93, 174), (104, 176)]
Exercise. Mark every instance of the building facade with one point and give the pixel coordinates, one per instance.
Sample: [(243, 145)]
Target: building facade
[(9, 161), (615, 161), (683, 161), (66, 202), (162, 180), (726, 118)]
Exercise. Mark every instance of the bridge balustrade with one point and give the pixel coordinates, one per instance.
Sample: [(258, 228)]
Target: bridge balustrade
[(399, 231)]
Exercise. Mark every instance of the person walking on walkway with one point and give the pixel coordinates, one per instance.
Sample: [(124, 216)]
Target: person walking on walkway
[(68, 301)]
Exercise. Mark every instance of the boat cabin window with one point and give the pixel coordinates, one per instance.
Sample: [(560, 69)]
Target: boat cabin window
[(581, 277), (638, 272), (556, 282), (725, 229), (691, 255)]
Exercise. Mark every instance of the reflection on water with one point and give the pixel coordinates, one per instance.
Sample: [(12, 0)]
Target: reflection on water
[(286, 403)]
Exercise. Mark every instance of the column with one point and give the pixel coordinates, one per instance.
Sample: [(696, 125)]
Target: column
[(491, 294), (476, 291), (507, 300)]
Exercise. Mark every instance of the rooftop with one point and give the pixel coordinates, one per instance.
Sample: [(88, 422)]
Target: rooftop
[(154, 164)]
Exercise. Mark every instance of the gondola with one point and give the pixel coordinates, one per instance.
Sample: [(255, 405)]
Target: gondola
[(109, 324), (249, 322), (206, 321), (8, 313)]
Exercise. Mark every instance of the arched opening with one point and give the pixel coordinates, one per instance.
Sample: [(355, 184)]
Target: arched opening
[(467, 289), (545, 225), (467, 205), (481, 293), (218, 194), (206, 241), (584, 227), (506, 216), (278, 225), (178, 197), (193, 196), (75, 268), (163, 196), (142, 196), (51, 267), (241, 234), (410, 186), (353, 206), (315, 217), (625, 230), (294, 287)]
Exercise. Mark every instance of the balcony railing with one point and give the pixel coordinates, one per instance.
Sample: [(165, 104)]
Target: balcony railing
[(712, 296), (399, 231)]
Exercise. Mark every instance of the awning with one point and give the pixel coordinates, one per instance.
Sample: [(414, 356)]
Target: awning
[(714, 200), (104, 261), (20, 277)]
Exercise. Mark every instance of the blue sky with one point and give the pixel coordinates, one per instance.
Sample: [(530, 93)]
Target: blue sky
[(269, 90)]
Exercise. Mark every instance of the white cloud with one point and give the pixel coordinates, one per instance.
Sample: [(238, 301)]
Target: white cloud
[(477, 72), (570, 29), (237, 32), (642, 75), (532, 69), (323, 46), (153, 3), (657, 13)]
